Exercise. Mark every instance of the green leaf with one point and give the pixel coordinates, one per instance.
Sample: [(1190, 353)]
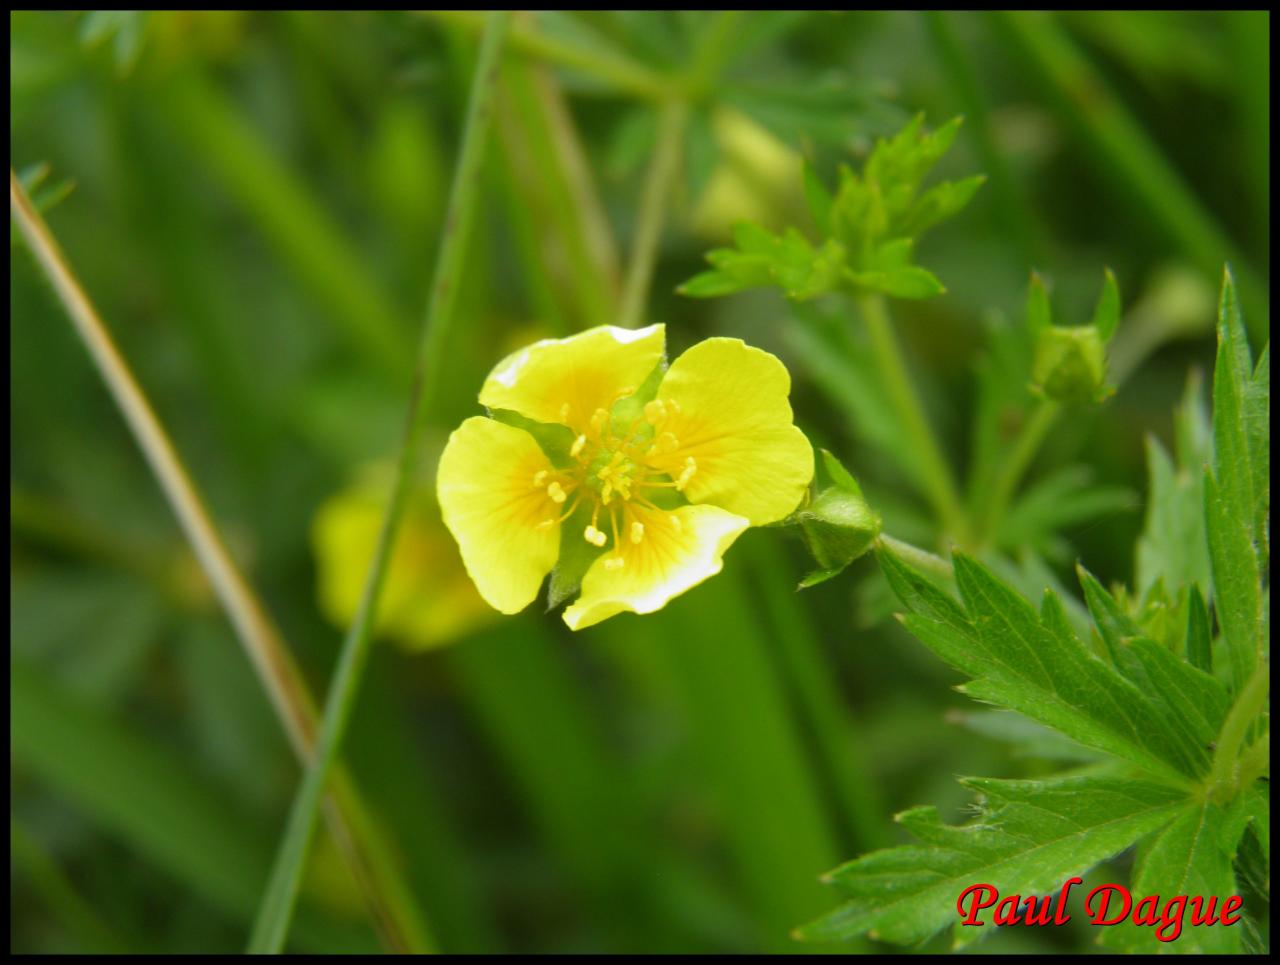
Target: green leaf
[(1034, 666), (1238, 599), (1173, 546), (1039, 314), (1107, 314), (939, 203), (1030, 838), (1199, 635), (1241, 420), (909, 281), (818, 198), (1191, 856)]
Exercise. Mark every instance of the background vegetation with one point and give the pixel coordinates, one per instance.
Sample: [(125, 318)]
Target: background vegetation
[(254, 202)]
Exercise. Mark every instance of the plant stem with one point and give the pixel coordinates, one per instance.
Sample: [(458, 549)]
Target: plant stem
[(1010, 203), (1123, 149), (921, 559), (262, 642), (936, 479), (277, 906), (1224, 775), (616, 69), (653, 203), (1024, 449)]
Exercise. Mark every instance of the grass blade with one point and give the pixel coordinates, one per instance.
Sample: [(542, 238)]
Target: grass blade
[(276, 910)]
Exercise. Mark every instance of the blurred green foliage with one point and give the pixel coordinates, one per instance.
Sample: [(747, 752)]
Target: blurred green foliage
[(253, 200)]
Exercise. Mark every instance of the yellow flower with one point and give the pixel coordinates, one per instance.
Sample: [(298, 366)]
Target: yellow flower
[(657, 483), (427, 600)]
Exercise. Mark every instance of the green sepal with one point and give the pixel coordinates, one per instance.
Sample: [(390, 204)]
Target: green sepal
[(837, 524), (576, 557), (554, 440)]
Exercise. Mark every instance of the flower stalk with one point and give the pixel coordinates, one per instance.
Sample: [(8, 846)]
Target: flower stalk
[(276, 911)]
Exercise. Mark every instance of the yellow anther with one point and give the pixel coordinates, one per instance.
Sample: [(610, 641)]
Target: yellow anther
[(577, 446), (674, 520), (655, 412), (599, 419), (564, 412), (594, 536), (614, 563), (556, 493), (690, 467), (674, 406), (637, 531), (547, 523), (666, 442), (606, 492), (540, 478)]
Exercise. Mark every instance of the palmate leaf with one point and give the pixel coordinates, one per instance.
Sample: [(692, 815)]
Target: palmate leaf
[(1192, 855), (1128, 697), (1034, 664), (1030, 837)]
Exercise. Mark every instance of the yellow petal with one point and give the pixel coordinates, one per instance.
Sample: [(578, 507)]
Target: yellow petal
[(565, 380), (677, 550), (498, 516), (732, 419)]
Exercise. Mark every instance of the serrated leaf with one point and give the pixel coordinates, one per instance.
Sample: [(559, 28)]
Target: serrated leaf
[(1191, 856), (907, 281), (1031, 836), (1030, 665), (939, 203)]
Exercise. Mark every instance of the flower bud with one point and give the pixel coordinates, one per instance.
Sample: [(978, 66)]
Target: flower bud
[(1070, 365)]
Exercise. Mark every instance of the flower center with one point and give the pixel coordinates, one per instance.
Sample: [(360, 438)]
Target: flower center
[(613, 473)]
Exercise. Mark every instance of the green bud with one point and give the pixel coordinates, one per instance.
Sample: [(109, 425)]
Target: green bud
[(837, 523), (1070, 365)]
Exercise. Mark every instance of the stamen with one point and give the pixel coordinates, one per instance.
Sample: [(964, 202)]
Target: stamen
[(540, 478), (594, 536), (654, 412), (637, 531), (614, 563), (674, 406), (665, 443), (599, 419), (576, 448), (690, 467), (547, 523), (557, 493), (674, 520), (564, 412)]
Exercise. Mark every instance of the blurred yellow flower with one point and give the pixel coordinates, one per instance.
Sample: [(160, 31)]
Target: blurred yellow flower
[(757, 178), (427, 599), (665, 469)]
